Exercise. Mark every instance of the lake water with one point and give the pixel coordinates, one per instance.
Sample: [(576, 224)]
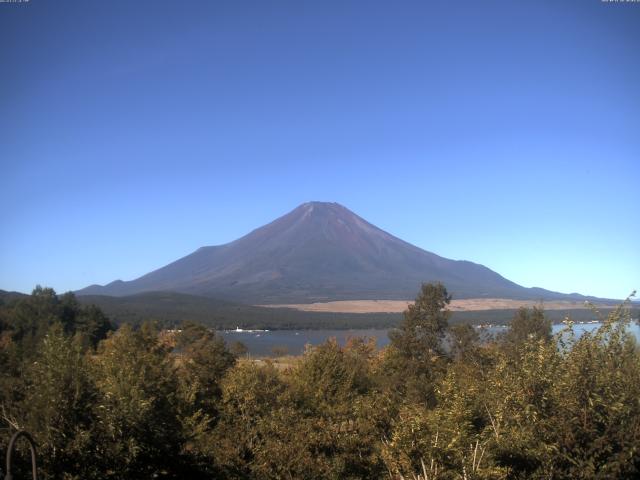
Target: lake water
[(263, 343)]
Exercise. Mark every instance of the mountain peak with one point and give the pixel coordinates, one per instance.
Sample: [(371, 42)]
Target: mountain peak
[(319, 204), (311, 221), (329, 207)]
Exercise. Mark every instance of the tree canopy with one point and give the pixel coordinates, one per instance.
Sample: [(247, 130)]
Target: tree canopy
[(436, 403)]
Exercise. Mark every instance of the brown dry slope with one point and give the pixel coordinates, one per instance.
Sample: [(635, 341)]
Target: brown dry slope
[(397, 306)]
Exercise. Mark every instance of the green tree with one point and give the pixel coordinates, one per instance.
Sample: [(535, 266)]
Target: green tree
[(202, 362), (464, 342), (424, 324), (250, 395), (331, 390), (204, 359), (328, 378), (137, 407), (58, 407), (595, 431), (415, 358), (28, 319), (31, 317), (528, 324)]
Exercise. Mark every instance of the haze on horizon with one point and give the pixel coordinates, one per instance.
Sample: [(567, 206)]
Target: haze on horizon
[(504, 133)]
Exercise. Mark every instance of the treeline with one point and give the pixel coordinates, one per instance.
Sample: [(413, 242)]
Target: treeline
[(170, 309), (141, 403)]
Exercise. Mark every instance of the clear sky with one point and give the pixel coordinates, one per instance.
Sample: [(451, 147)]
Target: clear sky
[(501, 132)]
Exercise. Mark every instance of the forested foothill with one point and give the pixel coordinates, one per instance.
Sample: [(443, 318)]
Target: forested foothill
[(170, 309), (436, 403)]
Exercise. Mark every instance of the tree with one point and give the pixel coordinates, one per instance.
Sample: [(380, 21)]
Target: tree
[(415, 357), (527, 325), (464, 341), (136, 406), (31, 317), (329, 378), (92, 324), (58, 406), (250, 394), (204, 361), (28, 319), (238, 349), (424, 323), (595, 431)]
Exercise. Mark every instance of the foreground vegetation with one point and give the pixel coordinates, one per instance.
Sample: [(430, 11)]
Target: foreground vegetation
[(139, 403)]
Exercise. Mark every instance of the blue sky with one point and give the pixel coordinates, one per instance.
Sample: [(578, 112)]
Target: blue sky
[(506, 133)]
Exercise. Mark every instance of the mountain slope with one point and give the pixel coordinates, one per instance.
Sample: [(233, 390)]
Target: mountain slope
[(317, 252)]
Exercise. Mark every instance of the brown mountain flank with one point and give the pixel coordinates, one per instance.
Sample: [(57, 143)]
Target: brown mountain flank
[(397, 306)]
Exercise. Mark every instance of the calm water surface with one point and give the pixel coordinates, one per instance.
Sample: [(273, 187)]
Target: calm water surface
[(263, 343)]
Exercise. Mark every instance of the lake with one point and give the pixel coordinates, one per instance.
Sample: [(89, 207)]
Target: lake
[(262, 343)]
